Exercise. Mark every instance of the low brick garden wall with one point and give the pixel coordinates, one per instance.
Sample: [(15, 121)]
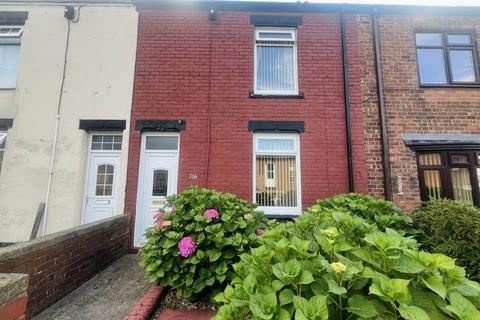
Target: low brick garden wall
[(59, 263)]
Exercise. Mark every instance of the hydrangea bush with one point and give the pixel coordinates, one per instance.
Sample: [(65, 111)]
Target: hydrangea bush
[(197, 238), (334, 264)]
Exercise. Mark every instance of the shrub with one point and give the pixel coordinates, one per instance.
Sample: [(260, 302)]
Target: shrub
[(197, 238), (382, 213), (452, 228), (331, 264)]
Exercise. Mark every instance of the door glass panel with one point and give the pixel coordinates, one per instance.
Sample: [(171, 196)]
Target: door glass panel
[(433, 184), (162, 143), (160, 183), (430, 159), (104, 186), (461, 185), (276, 182)]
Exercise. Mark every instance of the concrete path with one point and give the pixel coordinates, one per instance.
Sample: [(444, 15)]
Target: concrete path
[(107, 296)]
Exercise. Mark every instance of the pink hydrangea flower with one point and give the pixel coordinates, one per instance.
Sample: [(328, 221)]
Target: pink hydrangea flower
[(259, 232), (211, 213), (187, 247), (158, 217)]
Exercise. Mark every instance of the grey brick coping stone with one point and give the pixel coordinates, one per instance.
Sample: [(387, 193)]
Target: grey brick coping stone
[(11, 286), (24, 248)]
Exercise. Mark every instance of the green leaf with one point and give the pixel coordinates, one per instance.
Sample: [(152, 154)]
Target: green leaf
[(334, 288), (412, 312), (283, 314), (249, 284), (319, 304), (306, 278), (362, 306), (286, 296), (263, 306), (406, 264), (436, 285), (462, 307)]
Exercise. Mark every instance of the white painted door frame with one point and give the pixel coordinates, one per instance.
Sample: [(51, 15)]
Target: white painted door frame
[(114, 154), (172, 158)]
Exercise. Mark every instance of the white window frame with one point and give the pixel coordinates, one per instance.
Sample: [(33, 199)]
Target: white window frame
[(278, 211), (8, 39), (276, 43)]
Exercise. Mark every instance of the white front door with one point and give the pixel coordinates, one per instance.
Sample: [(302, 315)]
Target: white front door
[(102, 178), (158, 178)]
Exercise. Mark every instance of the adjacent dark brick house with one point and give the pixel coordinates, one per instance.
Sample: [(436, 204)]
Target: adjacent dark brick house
[(435, 114)]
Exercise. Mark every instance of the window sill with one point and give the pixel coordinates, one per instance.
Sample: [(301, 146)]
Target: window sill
[(254, 95), (450, 86)]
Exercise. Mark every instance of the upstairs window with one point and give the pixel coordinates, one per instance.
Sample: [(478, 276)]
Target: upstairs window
[(446, 58), (277, 173), (9, 55), (3, 141), (275, 61), (450, 174)]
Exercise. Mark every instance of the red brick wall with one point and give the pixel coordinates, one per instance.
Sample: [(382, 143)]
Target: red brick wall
[(409, 108), (175, 49), (61, 262)]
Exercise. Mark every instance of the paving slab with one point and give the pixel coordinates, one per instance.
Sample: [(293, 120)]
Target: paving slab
[(107, 296)]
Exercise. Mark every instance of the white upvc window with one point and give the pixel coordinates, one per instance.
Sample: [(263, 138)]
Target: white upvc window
[(275, 61), (3, 141), (9, 55), (276, 174)]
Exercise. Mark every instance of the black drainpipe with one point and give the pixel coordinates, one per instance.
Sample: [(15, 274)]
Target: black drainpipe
[(346, 94), (381, 105)]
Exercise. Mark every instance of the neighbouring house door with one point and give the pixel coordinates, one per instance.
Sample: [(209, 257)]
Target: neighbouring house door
[(158, 178), (102, 177)]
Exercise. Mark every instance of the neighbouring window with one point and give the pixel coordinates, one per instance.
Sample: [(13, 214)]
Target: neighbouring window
[(104, 186), (106, 142), (450, 174), (9, 55), (446, 58), (277, 173), (275, 61), (3, 141)]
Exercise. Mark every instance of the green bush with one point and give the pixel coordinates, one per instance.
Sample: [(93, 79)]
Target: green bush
[(197, 238), (452, 228), (333, 264), (382, 213)]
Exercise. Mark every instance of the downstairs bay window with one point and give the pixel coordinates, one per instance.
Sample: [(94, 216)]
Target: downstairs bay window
[(277, 173), (452, 174)]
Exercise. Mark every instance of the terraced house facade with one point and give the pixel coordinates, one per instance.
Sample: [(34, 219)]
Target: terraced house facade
[(279, 103)]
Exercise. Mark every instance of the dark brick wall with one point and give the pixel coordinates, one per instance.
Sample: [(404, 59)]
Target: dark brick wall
[(409, 108), (61, 262), (181, 57)]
